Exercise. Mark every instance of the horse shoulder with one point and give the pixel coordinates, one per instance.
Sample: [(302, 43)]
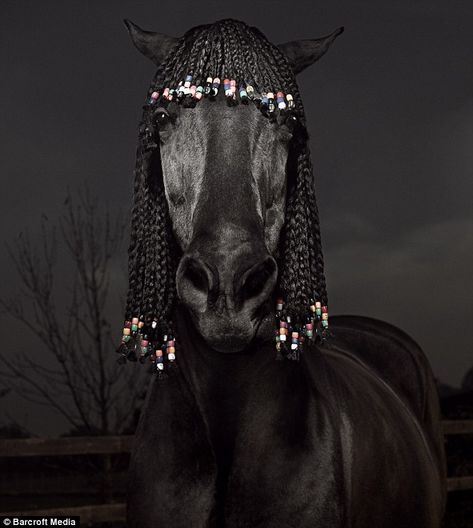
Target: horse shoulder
[(399, 361), (385, 446)]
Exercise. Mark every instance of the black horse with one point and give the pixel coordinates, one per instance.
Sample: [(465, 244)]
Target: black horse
[(343, 430)]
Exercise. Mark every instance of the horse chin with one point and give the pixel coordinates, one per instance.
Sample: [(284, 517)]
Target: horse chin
[(225, 342), (236, 340), (230, 345)]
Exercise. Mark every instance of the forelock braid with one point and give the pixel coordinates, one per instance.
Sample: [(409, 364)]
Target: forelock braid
[(259, 76), (246, 56)]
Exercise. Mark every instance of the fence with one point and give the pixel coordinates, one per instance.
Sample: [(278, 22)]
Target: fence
[(122, 444)]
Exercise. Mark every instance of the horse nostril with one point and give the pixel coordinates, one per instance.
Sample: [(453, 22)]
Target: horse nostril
[(258, 280), (196, 282), (197, 276)]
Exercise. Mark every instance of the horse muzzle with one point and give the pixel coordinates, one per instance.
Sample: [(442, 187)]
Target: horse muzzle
[(227, 307)]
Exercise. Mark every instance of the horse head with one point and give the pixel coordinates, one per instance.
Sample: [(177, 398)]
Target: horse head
[(225, 212)]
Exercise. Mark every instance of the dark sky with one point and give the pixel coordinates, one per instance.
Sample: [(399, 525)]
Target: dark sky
[(390, 111)]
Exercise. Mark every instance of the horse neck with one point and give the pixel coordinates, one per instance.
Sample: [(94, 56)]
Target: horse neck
[(217, 379), (232, 389)]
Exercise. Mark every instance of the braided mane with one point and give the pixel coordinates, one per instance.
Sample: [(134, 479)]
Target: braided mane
[(226, 48)]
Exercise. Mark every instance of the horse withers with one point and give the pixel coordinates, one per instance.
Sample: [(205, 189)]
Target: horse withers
[(261, 413)]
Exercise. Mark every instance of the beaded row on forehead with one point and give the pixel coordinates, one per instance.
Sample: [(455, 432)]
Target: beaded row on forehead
[(252, 70), (225, 55)]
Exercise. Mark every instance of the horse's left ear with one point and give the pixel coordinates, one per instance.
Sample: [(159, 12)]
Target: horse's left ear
[(155, 46), (303, 53)]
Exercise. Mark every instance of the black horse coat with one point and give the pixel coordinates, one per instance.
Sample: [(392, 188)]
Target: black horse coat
[(347, 437)]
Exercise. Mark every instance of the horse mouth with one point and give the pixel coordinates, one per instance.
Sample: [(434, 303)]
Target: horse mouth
[(260, 330)]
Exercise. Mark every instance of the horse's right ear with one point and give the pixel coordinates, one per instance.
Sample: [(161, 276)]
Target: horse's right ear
[(155, 46)]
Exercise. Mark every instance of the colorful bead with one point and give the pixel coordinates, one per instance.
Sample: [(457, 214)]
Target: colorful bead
[(279, 305), (159, 359), (215, 87), (280, 101), (199, 93), (126, 333), (181, 92), (250, 91), (171, 349), (144, 347), (187, 82), (270, 97), (290, 101), (318, 308), (229, 88), (208, 86), (152, 100)]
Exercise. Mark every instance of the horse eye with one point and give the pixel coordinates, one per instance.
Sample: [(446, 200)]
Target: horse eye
[(291, 122), (162, 117)]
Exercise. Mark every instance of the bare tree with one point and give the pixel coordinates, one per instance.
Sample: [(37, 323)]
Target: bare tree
[(75, 370)]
